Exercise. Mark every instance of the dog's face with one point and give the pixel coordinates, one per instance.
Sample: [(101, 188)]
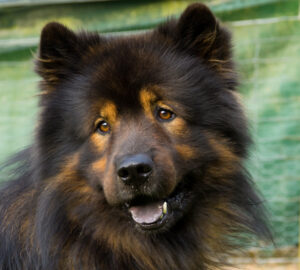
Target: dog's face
[(151, 119)]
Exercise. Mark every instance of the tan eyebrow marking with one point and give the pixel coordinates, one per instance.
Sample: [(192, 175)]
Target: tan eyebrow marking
[(147, 98), (109, 111)]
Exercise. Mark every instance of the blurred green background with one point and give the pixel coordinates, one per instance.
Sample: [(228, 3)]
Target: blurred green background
[(267, 50)]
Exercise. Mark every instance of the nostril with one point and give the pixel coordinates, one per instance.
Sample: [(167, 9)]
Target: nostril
[(143, 169), (134, 169), (123, 173)]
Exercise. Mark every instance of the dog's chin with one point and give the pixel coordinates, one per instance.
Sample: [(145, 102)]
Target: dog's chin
[(150, 215)]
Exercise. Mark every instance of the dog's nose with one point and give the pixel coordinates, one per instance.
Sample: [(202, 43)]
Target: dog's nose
[(134, 169)]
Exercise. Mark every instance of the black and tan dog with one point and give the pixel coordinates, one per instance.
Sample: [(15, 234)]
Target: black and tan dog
[(137, 161)]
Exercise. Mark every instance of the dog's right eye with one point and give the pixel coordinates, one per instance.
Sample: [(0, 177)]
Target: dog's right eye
[(103, 127)]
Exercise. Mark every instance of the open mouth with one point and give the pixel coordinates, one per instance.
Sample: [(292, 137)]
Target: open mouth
[(151, 215), (156, 215)]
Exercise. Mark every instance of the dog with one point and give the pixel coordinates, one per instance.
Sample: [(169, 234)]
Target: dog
[(137, 159)]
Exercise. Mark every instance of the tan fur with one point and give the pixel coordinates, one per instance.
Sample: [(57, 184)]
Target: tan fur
[(98, 141), (178, 127), (99, 165), (228, 161), (109, 112), (186, 151), (147, 99)]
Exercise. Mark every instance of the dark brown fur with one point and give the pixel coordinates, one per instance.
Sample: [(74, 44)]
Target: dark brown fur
[(66, 210)]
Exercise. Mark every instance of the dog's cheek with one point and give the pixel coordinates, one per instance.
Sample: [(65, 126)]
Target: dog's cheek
[(93, 160), (182, 141)]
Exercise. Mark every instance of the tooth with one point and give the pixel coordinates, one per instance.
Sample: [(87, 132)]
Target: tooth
[(165, 208)]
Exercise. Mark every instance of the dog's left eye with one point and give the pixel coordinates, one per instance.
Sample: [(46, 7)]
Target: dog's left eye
[(165, 115), (103, 127)]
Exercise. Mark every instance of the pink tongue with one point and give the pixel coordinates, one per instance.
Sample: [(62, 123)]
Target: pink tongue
[(149, 213)]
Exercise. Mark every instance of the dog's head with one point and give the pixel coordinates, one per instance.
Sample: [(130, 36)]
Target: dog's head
[(151, 121)]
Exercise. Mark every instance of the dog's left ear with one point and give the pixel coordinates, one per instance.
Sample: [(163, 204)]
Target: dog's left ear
[(198, 33)]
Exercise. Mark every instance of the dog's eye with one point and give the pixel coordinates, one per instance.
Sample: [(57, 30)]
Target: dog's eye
[(103, 127), (165, 115)]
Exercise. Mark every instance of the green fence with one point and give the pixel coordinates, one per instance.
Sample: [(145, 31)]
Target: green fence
[(267, 49)]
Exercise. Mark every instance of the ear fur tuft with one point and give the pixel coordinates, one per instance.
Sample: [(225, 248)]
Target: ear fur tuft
[(60, 52), (57, 52), (197, 28), (56, 41), (198, 33)]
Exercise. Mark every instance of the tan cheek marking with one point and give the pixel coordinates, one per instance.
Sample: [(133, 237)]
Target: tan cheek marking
[(84, 189), (70, 182), (109, 111), (185, 151), (228, 161), (223, 150), (99, 165), (99, 141), (68, 171), (178, 127), (146, 99)]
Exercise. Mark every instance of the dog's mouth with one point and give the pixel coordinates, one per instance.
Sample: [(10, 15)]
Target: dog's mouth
[(159, 214), (151, 215)]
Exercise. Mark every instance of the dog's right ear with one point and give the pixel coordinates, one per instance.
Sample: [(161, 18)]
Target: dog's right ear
[(60, 51), (57, 52), (57, 41)]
